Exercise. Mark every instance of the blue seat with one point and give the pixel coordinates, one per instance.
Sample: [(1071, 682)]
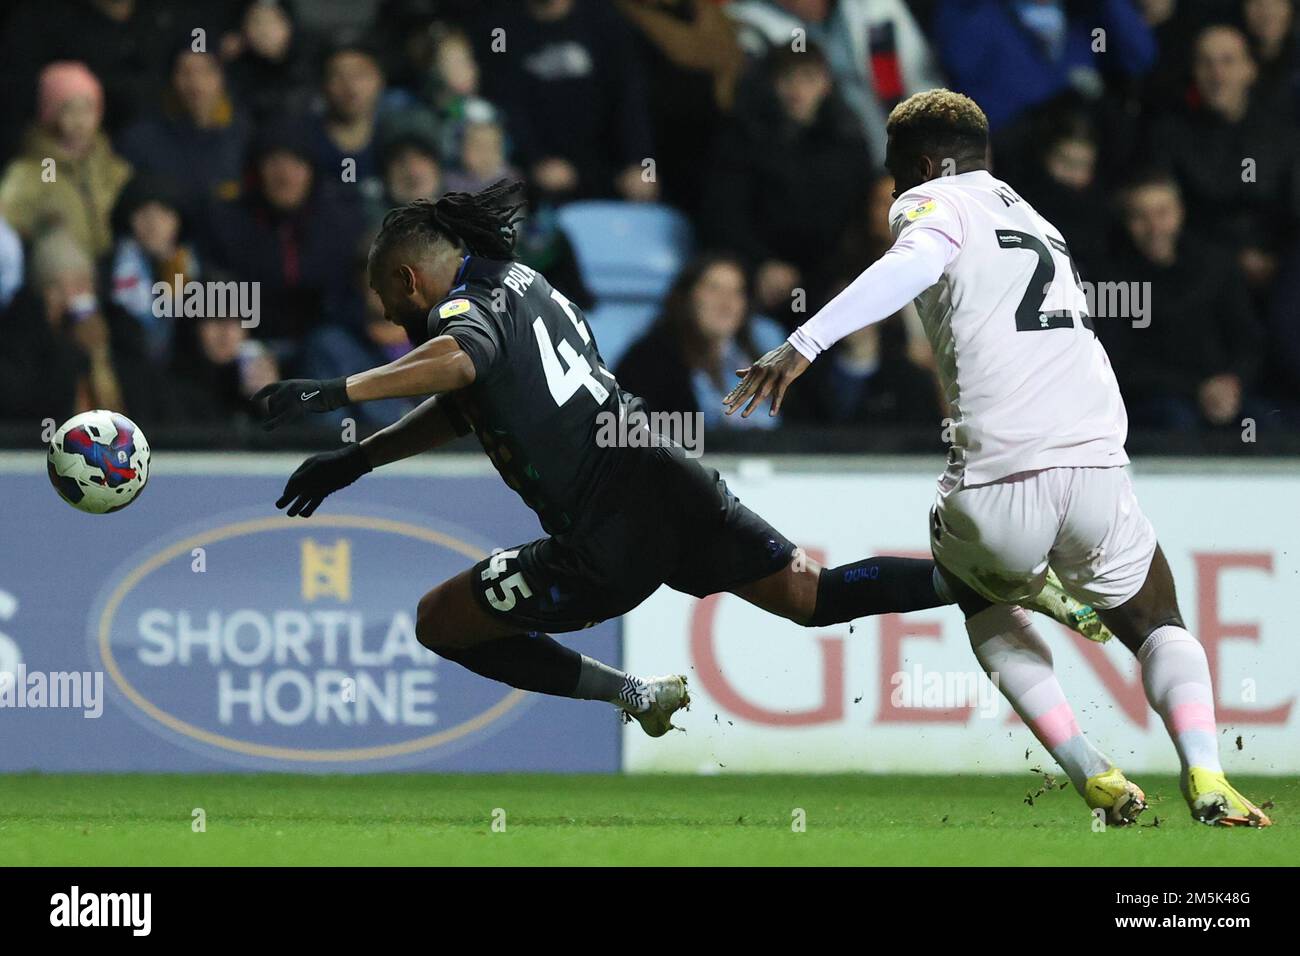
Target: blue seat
[(627, 251), (616, 325), (766, 332)]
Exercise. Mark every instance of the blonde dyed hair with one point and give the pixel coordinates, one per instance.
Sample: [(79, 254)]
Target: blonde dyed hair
[(938, 121)]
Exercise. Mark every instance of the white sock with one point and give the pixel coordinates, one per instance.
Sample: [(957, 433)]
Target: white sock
[(598, 681), (1176, 676), (1020, 662)]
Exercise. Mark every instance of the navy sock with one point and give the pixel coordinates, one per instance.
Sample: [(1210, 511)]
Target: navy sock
[(875, 586), (532, 661)]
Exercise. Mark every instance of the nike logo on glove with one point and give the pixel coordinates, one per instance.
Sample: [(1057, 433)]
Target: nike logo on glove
[(308, 396)]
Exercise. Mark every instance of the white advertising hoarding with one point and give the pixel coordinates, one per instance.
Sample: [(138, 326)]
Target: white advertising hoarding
[(905, 693)]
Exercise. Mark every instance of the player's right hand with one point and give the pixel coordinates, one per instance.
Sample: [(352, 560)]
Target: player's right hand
[(293, 397), (770, 375), (320, 476)]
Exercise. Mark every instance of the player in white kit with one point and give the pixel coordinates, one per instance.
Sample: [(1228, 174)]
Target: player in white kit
[(1035, 476)]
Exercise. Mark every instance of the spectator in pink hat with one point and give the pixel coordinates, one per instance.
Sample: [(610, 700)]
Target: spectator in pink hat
[(67, 174)]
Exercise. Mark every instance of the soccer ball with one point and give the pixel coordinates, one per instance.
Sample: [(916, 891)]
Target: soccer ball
[(98, 461)]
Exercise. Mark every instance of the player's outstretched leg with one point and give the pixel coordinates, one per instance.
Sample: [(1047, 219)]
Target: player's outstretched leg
[(814, 596), (1176, 676), (805, 592), (451, 623)]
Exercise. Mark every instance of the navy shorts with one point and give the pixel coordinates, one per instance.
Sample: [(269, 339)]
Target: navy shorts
[(667, 520)]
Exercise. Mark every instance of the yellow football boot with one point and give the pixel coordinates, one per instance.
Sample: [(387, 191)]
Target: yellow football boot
[(1216, 802), (1122, 799), (1053, 601)]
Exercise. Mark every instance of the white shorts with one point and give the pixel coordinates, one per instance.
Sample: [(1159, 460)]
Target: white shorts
[(1000, 537)]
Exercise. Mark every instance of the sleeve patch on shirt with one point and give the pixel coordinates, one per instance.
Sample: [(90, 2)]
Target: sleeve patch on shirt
[(454, 307), (923, 209)]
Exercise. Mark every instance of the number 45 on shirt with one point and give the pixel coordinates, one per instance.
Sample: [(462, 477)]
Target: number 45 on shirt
[(567, 371)]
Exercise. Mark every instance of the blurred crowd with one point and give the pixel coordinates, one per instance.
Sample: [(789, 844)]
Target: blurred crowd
[(248, 141)]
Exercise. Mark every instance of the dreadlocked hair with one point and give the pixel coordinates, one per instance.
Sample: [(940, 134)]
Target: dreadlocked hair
[(481, 223)]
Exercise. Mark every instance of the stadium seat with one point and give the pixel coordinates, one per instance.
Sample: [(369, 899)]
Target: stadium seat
[(618, 324), (766, 332), (628, 252)]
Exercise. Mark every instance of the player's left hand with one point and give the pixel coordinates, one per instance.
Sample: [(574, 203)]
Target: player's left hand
[(320, 476), (770, 375), (293, 397)]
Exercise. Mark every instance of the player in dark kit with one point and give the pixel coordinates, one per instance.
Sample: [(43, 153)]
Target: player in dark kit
[(507, 356)]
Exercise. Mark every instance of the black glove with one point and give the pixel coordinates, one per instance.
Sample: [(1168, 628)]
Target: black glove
[(288, 399), (322, 475)]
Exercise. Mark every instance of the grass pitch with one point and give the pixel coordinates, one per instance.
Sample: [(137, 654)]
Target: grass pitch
[(435, 820)]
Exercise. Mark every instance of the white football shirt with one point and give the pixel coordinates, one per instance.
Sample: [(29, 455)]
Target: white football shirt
[(1030, 385)]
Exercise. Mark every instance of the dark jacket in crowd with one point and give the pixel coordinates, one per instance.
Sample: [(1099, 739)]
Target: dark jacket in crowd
[(1281, 376), (1082, 216), (1202, 324), (40, 366), (296, 257), (573, 89), (206, 391), (204, 165), (654, 369), (785, 192), (685, 119), (272, 89), (1279, 82), (896, 392), (1206, 153)]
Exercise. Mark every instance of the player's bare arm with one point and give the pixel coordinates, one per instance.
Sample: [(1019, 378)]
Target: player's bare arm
[(427, 426), (437, 366)]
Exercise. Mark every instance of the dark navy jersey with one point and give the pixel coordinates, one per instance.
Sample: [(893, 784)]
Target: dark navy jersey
[(540, 392)]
